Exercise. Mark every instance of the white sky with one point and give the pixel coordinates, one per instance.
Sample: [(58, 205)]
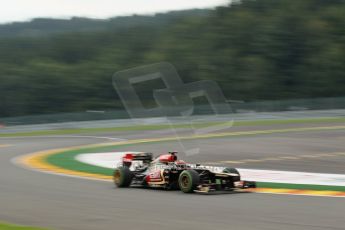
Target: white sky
[(23, 10)]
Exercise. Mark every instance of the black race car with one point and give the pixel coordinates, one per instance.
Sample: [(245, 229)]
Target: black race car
[(166, 171)]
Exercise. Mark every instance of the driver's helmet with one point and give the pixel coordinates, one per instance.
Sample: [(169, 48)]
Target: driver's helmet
[(167, 158)]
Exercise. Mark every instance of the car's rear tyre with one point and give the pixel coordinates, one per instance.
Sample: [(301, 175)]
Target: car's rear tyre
[(122, 177), (234, 171), (188, 181)]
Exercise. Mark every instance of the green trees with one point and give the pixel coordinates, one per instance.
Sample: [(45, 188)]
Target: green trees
[(256, 50)]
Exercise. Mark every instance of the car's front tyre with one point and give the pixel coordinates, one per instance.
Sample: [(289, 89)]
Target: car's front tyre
[(233, 171)]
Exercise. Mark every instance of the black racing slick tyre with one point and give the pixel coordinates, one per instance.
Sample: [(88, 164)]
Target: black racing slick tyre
[(188, 181), (122, 177), (234, 171)]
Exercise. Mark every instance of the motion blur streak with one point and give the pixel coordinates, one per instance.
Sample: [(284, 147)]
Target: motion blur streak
[(278, 65)]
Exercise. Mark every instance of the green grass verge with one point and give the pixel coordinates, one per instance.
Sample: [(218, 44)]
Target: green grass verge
[(67, 160), (5, 226), (159, 127), (301, 186)]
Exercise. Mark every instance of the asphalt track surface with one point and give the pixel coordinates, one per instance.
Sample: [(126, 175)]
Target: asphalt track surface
[(58, 202)]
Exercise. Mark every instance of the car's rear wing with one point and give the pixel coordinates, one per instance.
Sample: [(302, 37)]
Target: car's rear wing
[(128, 158)]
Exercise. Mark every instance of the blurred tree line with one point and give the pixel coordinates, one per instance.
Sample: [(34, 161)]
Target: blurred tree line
[(255, 50)]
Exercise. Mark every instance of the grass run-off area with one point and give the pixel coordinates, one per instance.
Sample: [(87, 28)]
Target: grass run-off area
[(5, 226), (164, 126), (66, 160)]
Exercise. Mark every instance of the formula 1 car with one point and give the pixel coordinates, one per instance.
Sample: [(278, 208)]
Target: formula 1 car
[(167, 172)]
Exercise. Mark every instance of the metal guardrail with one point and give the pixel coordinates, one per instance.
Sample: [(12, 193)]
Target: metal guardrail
[(176, 120), (320, 107)]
